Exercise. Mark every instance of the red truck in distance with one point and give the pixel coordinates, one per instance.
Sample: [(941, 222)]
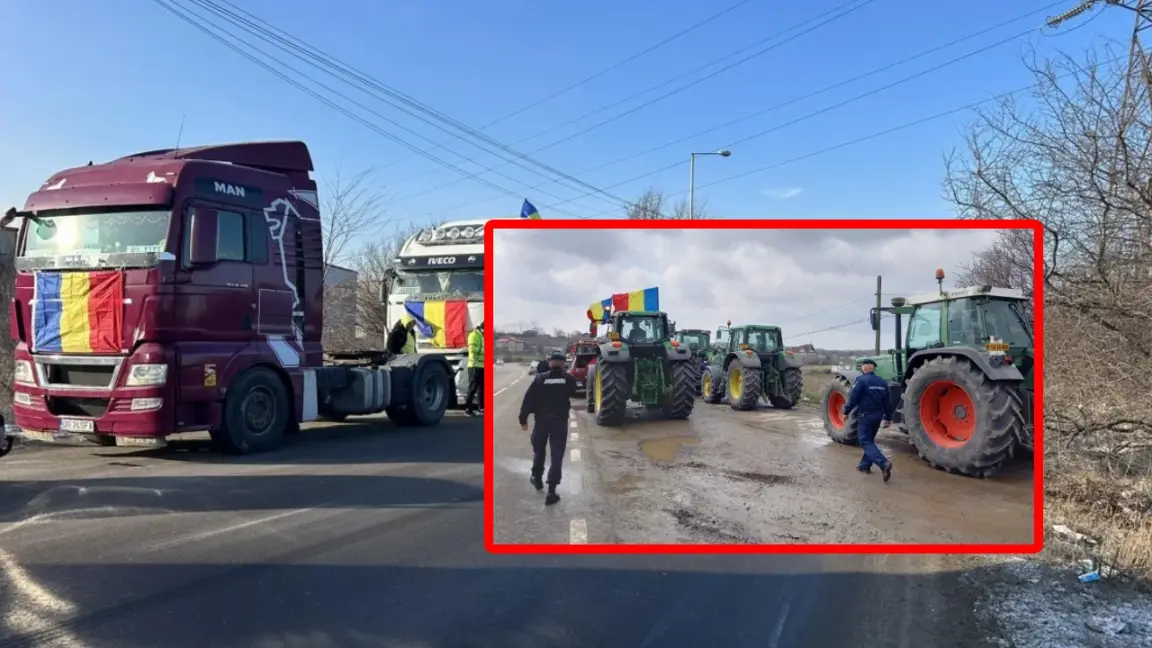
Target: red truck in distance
[(583, 356), (181, 290)]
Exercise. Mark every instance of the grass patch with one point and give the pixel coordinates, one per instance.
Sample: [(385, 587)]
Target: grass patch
[(815, 378)]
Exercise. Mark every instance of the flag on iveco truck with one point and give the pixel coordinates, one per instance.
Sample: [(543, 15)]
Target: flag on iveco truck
[(443, 323), (640, 300), (78, 312), (528, 210)]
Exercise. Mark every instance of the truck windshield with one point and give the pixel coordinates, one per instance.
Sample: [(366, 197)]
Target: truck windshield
[(762, 340), (91, 238), (460, 283), (1004, 319)]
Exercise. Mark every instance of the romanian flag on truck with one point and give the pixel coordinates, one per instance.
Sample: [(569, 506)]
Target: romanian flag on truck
[(78, 312), (640, 300), (443, 323)]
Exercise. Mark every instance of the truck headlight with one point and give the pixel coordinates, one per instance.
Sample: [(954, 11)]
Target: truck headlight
[(22, 373), (144, 375)]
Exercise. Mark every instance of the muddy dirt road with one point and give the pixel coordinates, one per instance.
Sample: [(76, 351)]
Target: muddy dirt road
[(768, 476)]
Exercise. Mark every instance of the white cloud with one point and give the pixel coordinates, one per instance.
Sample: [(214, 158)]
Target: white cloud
[(783, 193), (802, 280)]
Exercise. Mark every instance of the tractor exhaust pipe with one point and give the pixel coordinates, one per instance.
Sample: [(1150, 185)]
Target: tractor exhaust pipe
[(899, 357)]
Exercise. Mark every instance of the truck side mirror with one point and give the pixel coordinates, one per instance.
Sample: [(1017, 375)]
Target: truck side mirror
[(384, 291), (202, 235), (874, 317)]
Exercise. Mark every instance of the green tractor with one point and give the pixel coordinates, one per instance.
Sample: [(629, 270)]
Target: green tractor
[(961, 382), (698, 341), (639, 361), (747, 363)]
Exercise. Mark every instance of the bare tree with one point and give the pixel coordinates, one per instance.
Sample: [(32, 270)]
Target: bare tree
[(375, 264), (1080, 163), (651, 206), (352, 209)]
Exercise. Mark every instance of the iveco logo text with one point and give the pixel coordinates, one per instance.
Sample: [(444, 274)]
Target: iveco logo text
[(231, 190), (442, 260)]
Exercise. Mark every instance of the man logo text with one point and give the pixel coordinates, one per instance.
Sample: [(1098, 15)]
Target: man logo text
[(231, 190)]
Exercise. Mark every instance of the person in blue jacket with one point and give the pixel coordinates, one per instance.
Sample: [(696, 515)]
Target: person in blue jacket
[(869, 397)]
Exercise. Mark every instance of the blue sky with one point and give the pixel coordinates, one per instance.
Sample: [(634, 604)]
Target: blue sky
[(95, 80)]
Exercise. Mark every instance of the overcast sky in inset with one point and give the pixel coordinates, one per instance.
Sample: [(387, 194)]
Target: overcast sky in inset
[(816, 284)]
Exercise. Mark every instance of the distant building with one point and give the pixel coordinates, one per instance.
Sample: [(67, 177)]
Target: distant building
[(341, 309)]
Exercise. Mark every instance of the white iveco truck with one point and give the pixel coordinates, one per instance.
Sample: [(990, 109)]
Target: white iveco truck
[(441, 264)]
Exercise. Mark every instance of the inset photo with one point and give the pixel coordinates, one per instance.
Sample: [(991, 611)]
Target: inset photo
[(824, 386)]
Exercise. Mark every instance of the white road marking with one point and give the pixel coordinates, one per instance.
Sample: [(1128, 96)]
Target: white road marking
[(509, 385), (578, 532), (500, 392), (228, 529), (34, 609), (575, 455), (573, 423), (574, 436), (778, 631)]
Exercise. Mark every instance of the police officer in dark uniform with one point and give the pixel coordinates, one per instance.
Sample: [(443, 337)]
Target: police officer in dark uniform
[(869, 397), (548, 397)]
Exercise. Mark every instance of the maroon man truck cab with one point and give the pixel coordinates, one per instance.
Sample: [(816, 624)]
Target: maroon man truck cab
[(182, 290)]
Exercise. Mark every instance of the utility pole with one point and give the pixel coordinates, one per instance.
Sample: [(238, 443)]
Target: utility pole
[(1138, 76), (879, 305)]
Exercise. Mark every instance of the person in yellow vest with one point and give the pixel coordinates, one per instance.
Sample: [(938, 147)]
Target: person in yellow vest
[(475, 371), (402, 337)]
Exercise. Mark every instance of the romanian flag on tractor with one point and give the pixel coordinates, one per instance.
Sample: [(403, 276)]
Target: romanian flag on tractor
[(78, 312)]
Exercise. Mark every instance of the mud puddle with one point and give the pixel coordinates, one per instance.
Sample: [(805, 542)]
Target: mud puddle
[(709, 527), (744, 475), (665, 450)]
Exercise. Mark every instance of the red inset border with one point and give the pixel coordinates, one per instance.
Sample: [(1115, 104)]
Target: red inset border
[(1035, 546)]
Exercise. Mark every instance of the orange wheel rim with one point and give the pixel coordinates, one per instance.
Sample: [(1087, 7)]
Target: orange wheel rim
[(947, 414), (836, 409)]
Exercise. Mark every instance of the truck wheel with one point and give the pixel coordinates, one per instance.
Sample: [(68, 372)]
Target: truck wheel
[(257, 412), (743, 387), (840, 428), (430, 395), (610, 394), (793, 389), (712, 385), (683, 396), (959, 420)]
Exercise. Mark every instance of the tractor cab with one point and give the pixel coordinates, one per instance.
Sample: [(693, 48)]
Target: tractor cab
[(765, 341), (984, 318), (697, 340), (644, 332)]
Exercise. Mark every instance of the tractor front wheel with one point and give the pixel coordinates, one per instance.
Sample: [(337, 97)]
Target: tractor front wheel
[(610, 394), (743, 387), (960, 420), (682, 397), (833, 398), (793, 382), (712, 385)]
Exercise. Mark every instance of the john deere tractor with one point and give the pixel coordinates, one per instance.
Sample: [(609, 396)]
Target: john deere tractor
[(697, 341), (960, 382), (640, 362), (747, 363)]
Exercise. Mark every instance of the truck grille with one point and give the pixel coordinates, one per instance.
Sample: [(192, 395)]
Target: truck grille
[(78, 372)]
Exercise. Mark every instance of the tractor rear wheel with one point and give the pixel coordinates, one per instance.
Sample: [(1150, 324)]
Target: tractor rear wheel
[(610, 394), (960, 420), (743, 387), (682, 397), (840, 428), (712, 385), (793, 382)]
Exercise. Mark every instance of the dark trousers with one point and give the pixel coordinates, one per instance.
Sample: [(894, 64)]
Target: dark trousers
[(867, 429), (549, 434), (475, 387)]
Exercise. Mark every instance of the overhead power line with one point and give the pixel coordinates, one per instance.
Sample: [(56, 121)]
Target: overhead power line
[(820, 91), (824, 19), (318, 59)]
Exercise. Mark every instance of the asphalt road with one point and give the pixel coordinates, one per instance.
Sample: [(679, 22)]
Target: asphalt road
[(364, 535), (728, 477)]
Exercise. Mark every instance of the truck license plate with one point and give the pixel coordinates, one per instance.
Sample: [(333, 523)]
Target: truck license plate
[(77, 425)]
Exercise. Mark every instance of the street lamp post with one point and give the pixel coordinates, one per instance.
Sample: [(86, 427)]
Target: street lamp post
[(692, 178)]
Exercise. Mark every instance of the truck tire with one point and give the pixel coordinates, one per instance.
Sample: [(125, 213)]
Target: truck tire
[(743, 387), (793, 382), (610, 394), (257, 413), (430, 396), (683, 393), (840, 428), (713, 390), (959, 420)]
